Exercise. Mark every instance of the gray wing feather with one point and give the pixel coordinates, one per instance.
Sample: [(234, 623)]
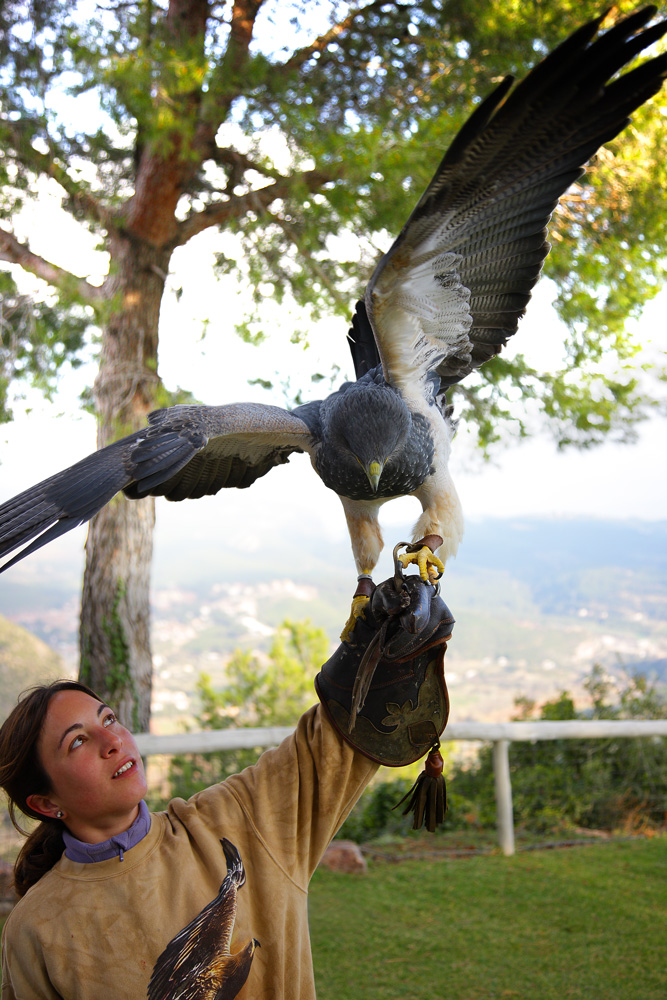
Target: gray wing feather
[(191, 451), (185, 452)]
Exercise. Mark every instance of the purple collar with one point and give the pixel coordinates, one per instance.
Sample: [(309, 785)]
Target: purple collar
[(77, 850)]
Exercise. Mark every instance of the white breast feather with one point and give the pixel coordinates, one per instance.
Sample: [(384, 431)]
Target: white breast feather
[(420, 318)]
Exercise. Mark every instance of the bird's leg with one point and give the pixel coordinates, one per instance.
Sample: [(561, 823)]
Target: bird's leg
[(422, 553), (439, 527), (362, 596), (366, 538)]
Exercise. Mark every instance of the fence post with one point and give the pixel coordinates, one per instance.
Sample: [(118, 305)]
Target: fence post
[(504, 813)]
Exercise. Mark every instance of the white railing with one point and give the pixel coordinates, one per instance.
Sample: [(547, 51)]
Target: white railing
[(501, 734)]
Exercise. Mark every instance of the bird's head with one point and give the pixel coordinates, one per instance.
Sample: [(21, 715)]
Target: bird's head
[(367, 424)]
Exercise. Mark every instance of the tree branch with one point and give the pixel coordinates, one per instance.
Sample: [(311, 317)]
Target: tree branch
[(301, 56), (258, 200), (237, 163), (342, 301), (15, 252), (227, 83), (47, 165), (82, 199)]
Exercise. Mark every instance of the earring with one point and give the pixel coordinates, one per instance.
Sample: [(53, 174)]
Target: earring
[(60, 814)]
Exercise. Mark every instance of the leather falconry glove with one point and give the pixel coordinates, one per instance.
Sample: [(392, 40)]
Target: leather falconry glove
[(384, 688)]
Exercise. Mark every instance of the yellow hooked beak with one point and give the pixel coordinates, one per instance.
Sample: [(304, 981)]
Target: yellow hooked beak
[(374, 472)]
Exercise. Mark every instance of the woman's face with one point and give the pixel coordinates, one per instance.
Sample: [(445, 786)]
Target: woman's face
[(96, 773)]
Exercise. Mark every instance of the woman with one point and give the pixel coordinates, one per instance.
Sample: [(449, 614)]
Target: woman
[(114, 898)]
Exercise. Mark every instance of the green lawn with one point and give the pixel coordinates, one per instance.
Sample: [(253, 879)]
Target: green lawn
[(586, 923)]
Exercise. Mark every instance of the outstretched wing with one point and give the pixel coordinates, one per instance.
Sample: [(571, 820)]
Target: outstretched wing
[(451, 290), (185, 452)]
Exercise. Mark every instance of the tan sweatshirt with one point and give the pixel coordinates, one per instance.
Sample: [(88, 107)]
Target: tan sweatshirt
[(91, 931)]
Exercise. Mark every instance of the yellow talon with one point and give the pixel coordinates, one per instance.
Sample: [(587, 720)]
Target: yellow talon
[(429, 564), (357, 611)]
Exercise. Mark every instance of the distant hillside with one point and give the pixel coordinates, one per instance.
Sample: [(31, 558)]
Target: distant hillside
[(24, 660), (571, 564), (537, 602)]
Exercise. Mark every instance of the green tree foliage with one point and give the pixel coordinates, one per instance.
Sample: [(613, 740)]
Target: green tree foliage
[(271, 690), (36, 340)]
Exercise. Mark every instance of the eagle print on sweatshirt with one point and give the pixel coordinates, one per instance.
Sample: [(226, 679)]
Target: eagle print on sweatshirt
[(197, 963)]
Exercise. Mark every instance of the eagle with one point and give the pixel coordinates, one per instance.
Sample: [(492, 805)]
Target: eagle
[(445, 298), (197, 963)]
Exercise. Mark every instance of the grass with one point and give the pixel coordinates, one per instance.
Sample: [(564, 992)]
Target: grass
[(587, 923)]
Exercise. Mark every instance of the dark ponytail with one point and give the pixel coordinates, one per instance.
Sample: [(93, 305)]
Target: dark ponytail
[(38, 855), (22, 775)]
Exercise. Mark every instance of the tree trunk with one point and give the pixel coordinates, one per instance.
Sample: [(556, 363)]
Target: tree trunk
[(115, 608)]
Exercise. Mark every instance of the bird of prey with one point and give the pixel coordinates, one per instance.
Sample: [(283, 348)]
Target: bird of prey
[(444, 299), (197, 964)]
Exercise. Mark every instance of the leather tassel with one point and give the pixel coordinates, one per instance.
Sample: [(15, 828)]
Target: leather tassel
[(427, 799)]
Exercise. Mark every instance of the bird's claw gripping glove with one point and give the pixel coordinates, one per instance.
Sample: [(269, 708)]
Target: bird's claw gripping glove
[(384, 689), (422, 554)]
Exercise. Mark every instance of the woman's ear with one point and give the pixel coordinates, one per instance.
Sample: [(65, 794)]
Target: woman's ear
[(45, 806)]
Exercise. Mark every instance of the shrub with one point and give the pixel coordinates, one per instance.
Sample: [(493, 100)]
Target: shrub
[(599, 784)]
